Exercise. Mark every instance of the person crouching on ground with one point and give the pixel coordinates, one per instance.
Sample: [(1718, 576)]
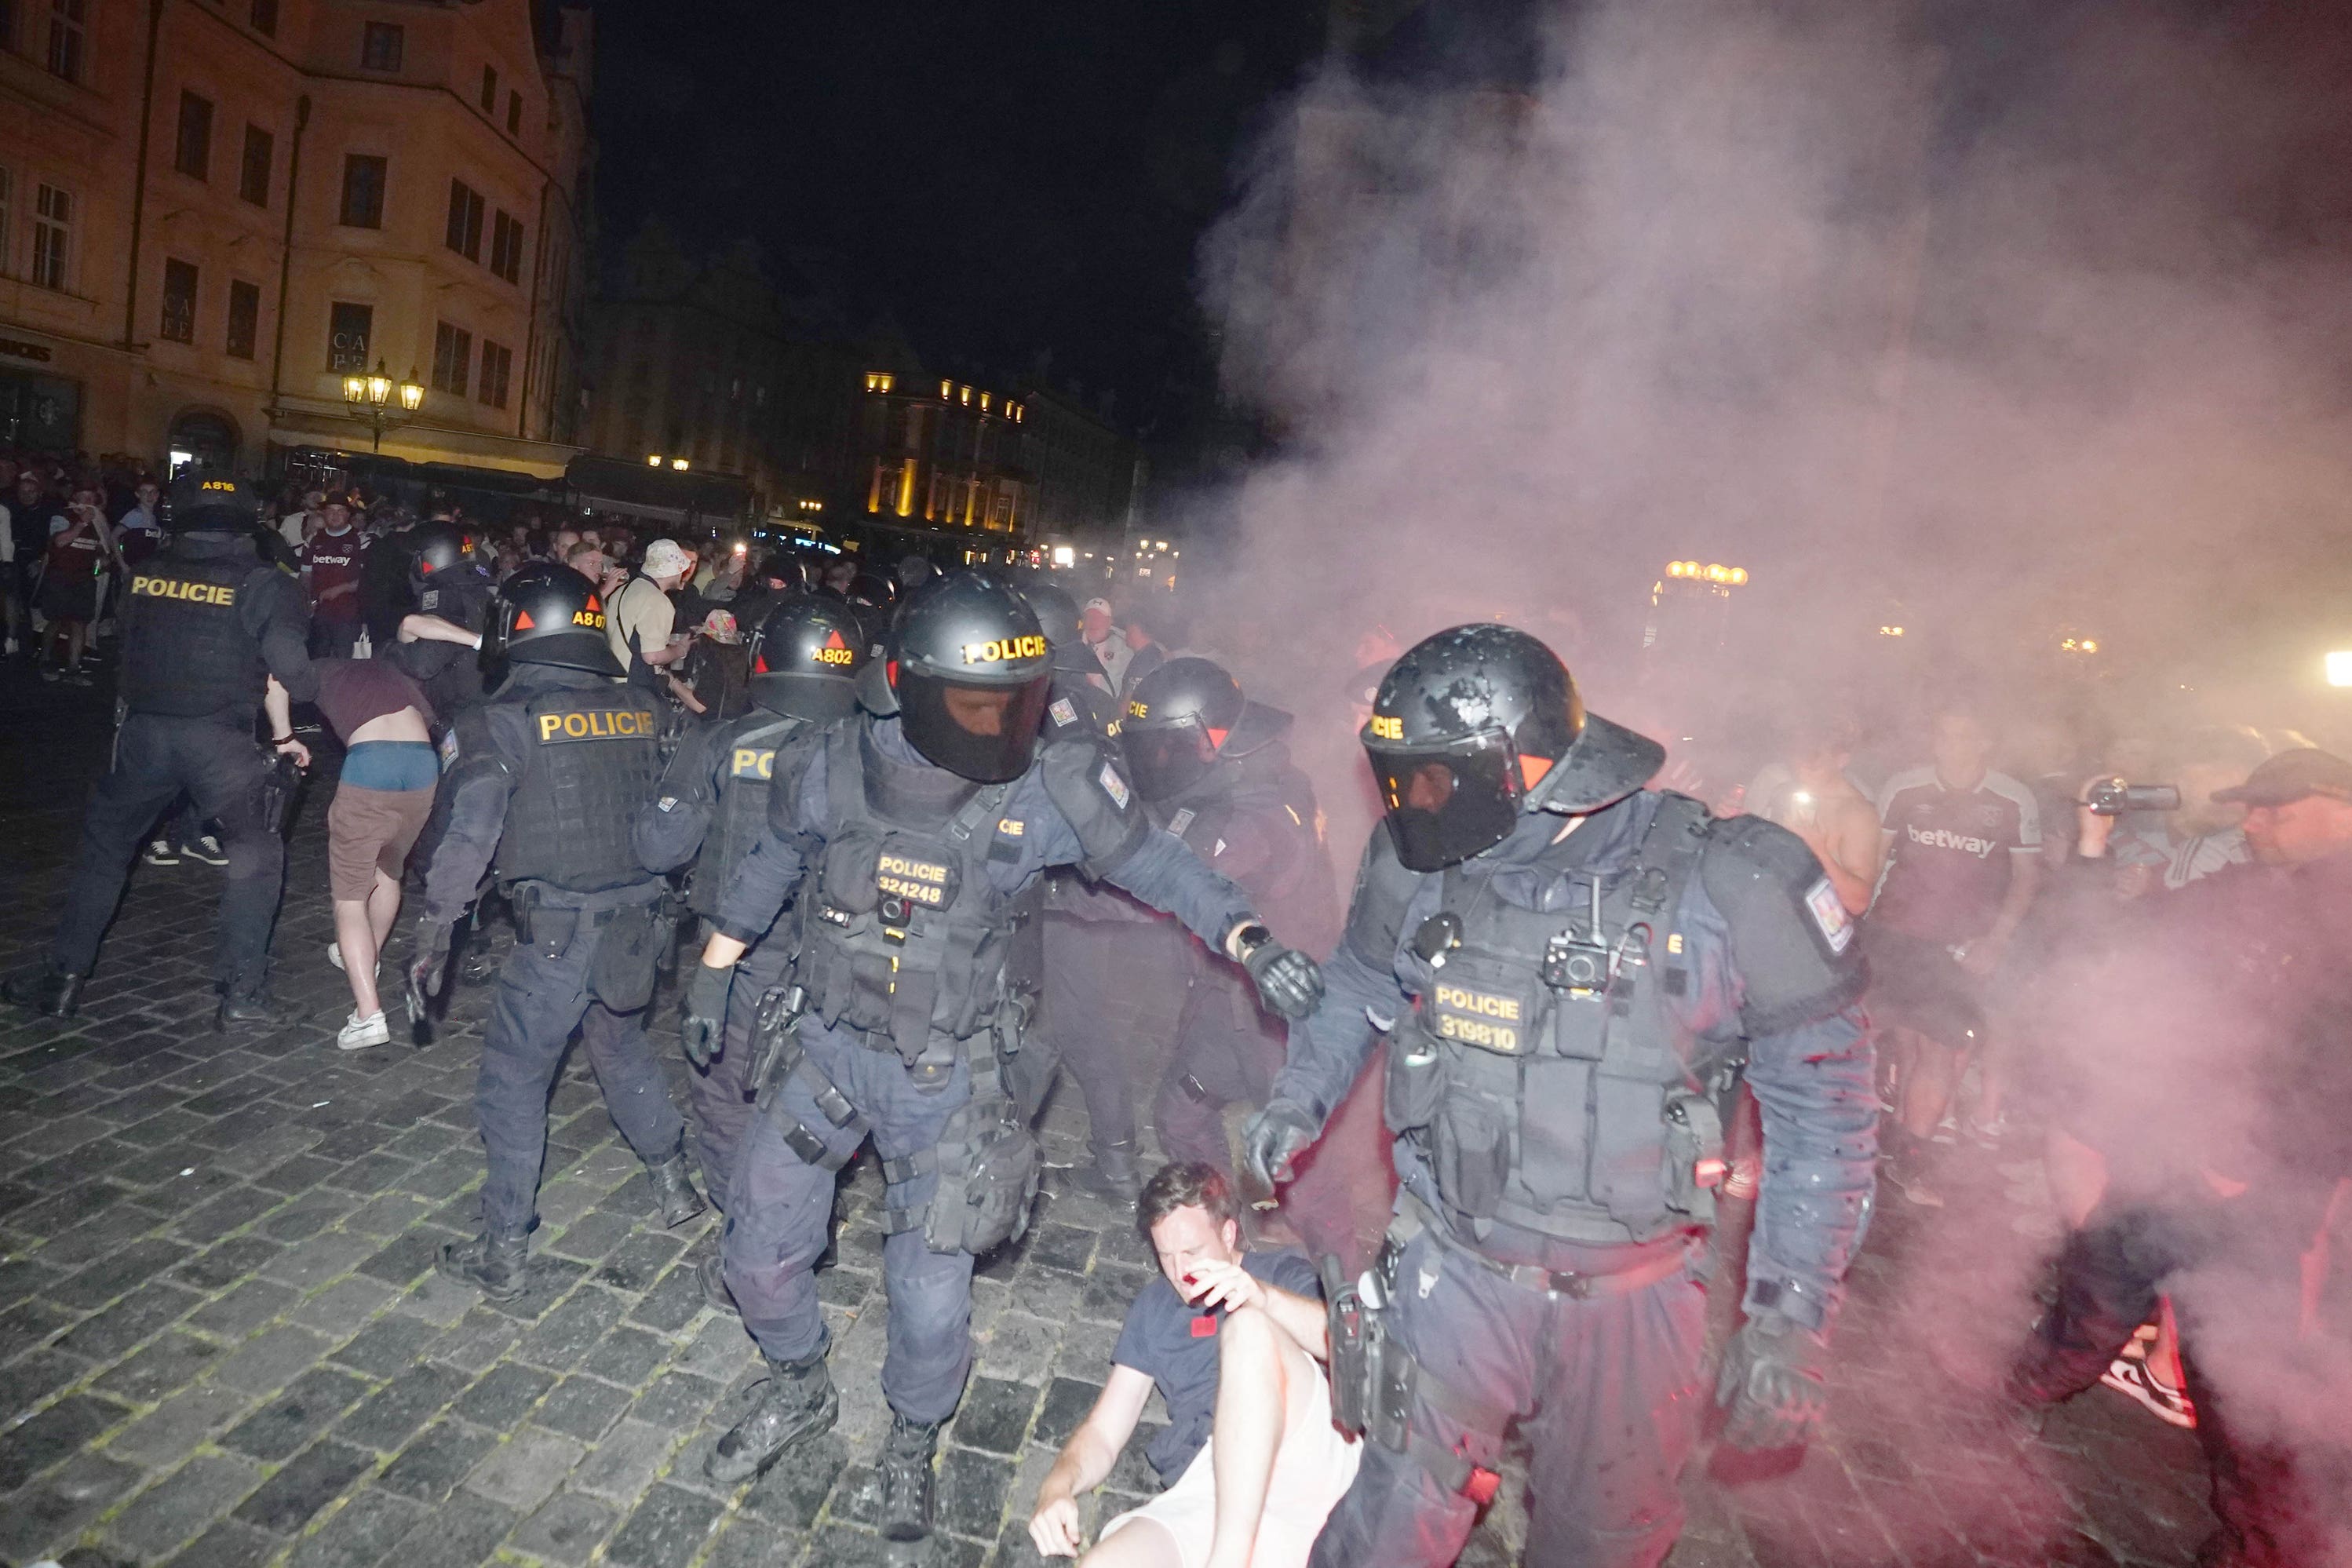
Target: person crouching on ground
[(1232, 1339)]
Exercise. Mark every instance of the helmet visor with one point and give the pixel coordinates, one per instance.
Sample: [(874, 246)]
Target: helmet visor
[(1167, 759), (1448, 803), (985, 734)]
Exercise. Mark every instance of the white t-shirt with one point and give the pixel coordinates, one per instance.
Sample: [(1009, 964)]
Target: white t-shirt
[(293, 526), (641, 608)]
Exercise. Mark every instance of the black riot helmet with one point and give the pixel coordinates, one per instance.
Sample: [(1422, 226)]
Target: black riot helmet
[(548, 614), (1057, 612), (1477, 724), (966, 670), (1182, 718), (212, 504), (804, 659), (439, 547)]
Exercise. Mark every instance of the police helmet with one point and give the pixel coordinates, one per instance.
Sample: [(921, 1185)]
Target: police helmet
[(548, 614), (1057, 612), (1475, 725), (968, 674), (804, 659), (1182, 717), (213, 504), (870, 588), (440, 547)]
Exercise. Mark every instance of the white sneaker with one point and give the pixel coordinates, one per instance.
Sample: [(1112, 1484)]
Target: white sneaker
[(360, 1033), (335, 954)]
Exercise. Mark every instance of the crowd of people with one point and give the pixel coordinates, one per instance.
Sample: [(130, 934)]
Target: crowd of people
[(1511, 1122)]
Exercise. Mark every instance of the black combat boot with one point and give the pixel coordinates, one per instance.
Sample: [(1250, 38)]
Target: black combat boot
[(798, 1402), (673, 1186), (711, 1274), (249, 1010), (492, 1263), (1112, 1176), (47, 989), (906, 1466)]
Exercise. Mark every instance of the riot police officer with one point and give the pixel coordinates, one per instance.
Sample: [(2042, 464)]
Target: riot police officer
[(204, 621), (543, 784), (711, 809), (1571, 968), (910, 834), (1213, 769), (1093, 938), (449, 582)]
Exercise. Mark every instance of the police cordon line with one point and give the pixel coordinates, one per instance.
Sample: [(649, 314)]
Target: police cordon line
[(910, 867)]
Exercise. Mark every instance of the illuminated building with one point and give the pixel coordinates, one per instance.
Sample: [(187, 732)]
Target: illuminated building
[(324, 186)]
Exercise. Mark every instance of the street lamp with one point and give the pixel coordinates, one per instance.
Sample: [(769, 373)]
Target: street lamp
[(370, 397)]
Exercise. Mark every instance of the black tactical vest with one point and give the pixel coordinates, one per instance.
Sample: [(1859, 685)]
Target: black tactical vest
[(739, 814), (590, 765), (462, 597), (902, 936), (1540, 1074), (1293, 892), (185, 649)]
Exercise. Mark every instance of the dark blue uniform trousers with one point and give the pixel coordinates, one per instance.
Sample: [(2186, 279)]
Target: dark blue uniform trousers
[(221, 768), (780, 1210), (1088, 964), (1608, 1392), (540, 1002), (719, 1095)]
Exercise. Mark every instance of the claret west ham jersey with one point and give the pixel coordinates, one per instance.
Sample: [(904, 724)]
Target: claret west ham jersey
[(1948, 853)]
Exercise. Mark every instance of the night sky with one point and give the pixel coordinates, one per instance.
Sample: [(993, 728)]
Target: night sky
[(1007, 180)]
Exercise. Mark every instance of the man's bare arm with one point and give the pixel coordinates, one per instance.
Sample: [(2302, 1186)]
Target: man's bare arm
[(1086, 1459)]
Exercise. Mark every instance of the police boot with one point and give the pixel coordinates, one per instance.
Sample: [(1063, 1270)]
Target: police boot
[(799, 1403), (711, 1274), (47, 989), (1111, 1176), (249, 1010), (673, 1186), (492, 1263), (906, 1466)]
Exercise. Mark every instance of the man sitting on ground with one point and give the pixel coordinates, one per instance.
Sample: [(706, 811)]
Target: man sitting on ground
[(1232, 1339)]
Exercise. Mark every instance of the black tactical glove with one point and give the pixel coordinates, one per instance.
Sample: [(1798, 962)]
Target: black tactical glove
[(1287, 980), (428, 966), (1271, 1138), (1772, 1383), (703, 1029)]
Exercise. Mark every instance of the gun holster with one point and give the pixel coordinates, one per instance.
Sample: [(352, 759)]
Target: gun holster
[(274, 795), (545, 927), (776, 1041)]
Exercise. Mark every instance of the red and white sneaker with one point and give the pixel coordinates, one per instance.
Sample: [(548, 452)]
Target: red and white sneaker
[(2167, 1404)]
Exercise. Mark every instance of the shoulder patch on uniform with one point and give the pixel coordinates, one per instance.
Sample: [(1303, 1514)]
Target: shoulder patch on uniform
[(1065, 711), (1829, 913), (667, 803), (448, 747), (1114, 784), (1181, 821)]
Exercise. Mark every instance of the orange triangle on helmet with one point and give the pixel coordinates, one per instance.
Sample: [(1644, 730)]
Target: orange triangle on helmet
[(833, 638), (523, 622)]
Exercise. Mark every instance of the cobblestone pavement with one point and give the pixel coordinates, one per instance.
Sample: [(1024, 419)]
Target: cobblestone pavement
[(222, 1342)]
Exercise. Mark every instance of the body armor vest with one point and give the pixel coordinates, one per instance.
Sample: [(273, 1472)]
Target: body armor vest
[(1078, 709), (461, 599), (1540, 1073), (1292, 893), (591, 763), (739, 814), (902, 936), (186, 652)]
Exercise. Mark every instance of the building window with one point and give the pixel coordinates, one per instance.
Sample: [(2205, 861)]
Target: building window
[(192, 154), (379, 46), (349, 328), (506, 247), (179, 324), (253, 176), (244, 318), (497, 366), (69, 20), (52, 236), (264, 17), (490, 90), (465, 235), (453, 358), (514, 113), (363, 191), (880, 381)]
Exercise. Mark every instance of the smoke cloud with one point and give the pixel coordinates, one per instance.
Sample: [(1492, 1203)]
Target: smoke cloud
[(2003, 323)]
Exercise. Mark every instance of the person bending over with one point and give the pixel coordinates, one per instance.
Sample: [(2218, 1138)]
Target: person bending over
[(1233, 1340)]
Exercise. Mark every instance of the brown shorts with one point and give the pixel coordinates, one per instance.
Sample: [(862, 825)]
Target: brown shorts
[(372, 830)]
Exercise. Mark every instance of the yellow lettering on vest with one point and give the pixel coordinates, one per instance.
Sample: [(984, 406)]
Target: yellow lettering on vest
[(1478, 1002), (576, 724), (900, 866), (549, 723), (1388, 729), (190, 593), (751, 762), (1138, 710)]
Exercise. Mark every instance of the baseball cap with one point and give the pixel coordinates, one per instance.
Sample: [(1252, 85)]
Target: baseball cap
[(1098, 604), (2292, 775), (664, 556), (201, 500)]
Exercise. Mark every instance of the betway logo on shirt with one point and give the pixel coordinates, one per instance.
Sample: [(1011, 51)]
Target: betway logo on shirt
[(1944, 839)]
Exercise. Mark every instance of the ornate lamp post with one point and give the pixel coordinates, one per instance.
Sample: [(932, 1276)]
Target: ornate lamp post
[(370, 398)]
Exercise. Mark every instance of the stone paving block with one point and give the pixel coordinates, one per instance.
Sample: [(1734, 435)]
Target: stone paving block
[(622, 1465), (182, 1505), (226, 1262), (1067, 1400), (315, 1477), (298, 1174), (524, 1471), (361, 1533), (229, 1544), (343, 1307), (462, 1532), (233, 1209), (273, 1359), (796, 1487), (174, 1428), (973, 1487), (627, 1357), (437, 1300), (32, 1378), (994, 1415), (244, 1309), (171, 1361), (326, 1255), (386, 1418), (666, 1527), (387, 1346), (477, 1340), (677, 1400), (748, 1543), (283, 1426), (720, 1350), (53, 1435), (567, 1528), (52, 1511), (130, 1320), (406, 1256), (122, 1271), (636, 1262), (23, 1277), (30, 1323), (503, 1396), (593, 1236), (567, 1333), (385, 1214), (433, 1464), (1015, 1345), (581, 1407)]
